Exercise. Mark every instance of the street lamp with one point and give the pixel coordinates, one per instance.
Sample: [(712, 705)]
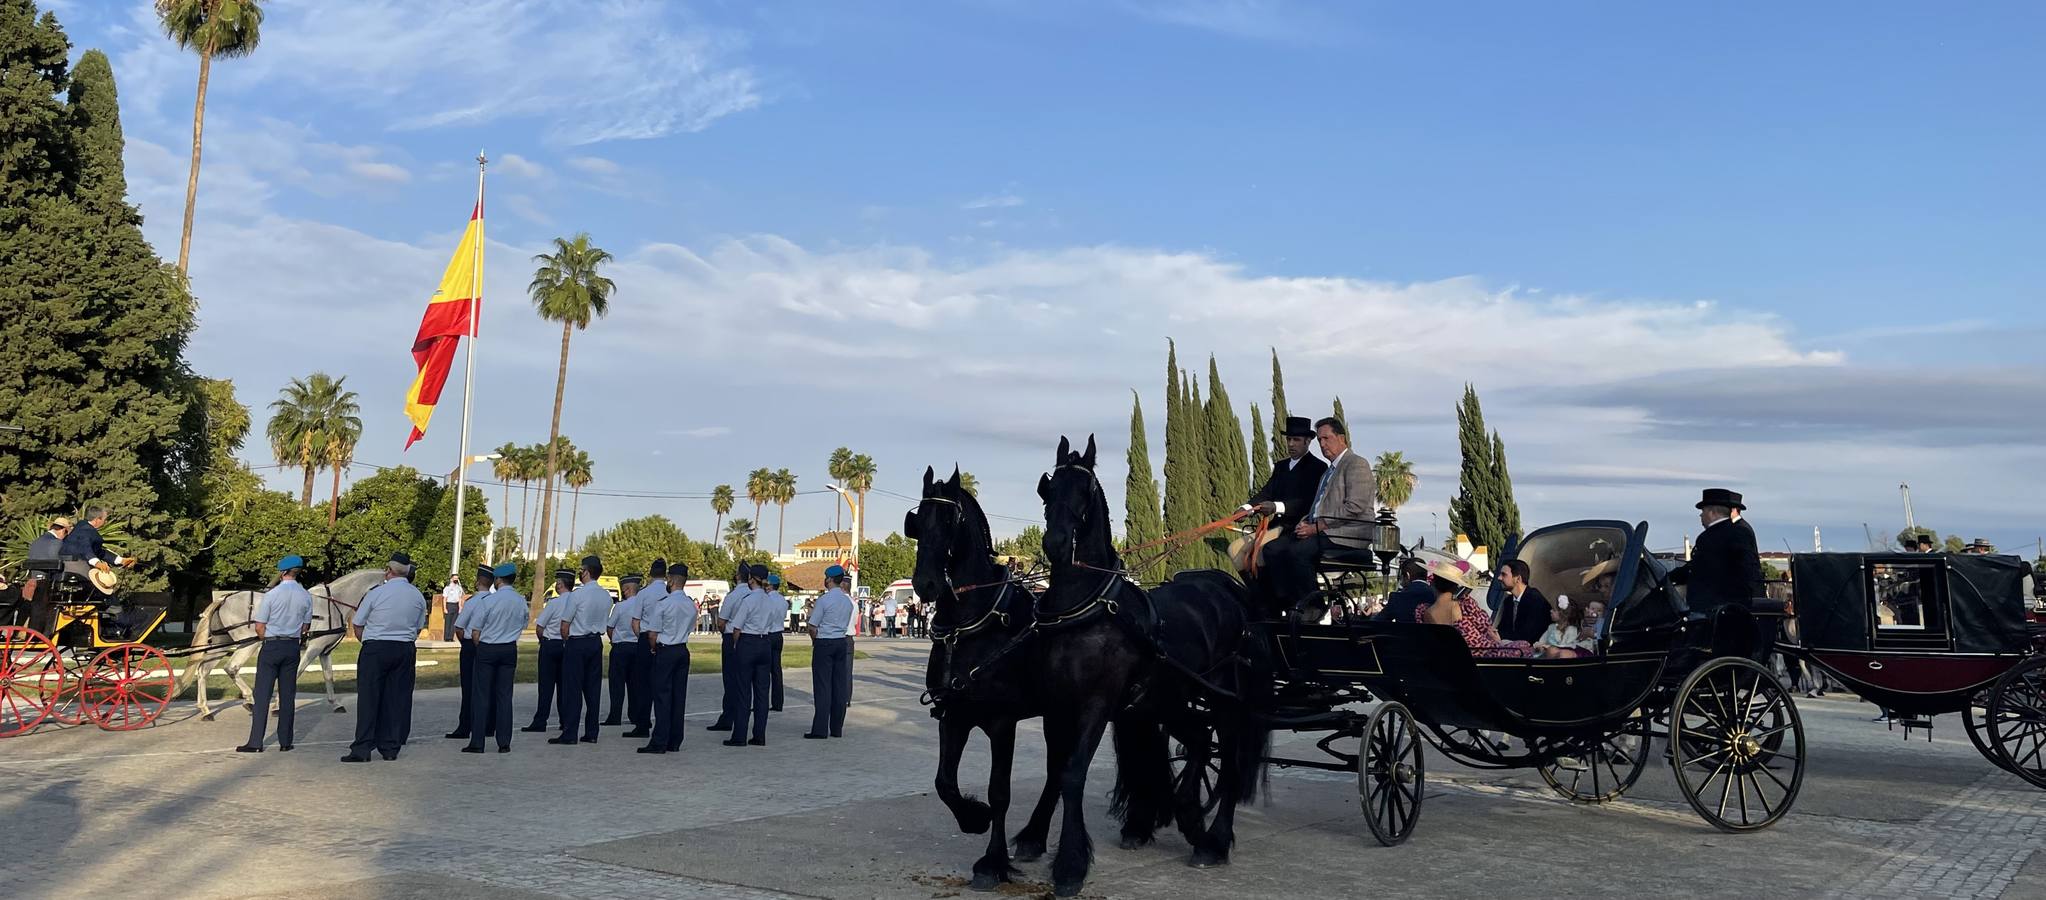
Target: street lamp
[(459, 479), (849, 501)]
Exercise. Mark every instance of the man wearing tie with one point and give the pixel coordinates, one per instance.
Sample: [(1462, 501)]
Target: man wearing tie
[(1288, 493), (1338, 525)]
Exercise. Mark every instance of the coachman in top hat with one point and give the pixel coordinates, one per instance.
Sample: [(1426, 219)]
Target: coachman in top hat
[(1725, 566)]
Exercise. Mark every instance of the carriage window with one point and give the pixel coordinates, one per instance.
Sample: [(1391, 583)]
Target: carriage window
[(1901, 590)]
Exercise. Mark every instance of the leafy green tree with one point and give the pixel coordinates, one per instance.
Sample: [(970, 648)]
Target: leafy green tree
[(969, 484), (270, 525), (1908, 538), (96, 325), (390, 510), (1195, 555), (1142, 521), (1396, 479), (1483, 508), (739, 536), (721, 500), (1345, 420), (1228, 467), (1509, 509), (569, 288), (504, 542), (1260, 451), (885, 561), (1185, 485), (308, 418), (1026, 547), (632, 546), (344, 431), (433, 546), (1954, 544), (210, 28)]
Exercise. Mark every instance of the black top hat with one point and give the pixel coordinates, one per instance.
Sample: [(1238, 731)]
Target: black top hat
[(1299, 426), (1721, 497), (400, 558), (659, 569)]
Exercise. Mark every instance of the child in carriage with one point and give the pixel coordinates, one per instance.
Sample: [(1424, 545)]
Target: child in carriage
[(1569, 635)]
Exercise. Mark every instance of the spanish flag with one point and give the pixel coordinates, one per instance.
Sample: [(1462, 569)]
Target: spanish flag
[(449, 315)]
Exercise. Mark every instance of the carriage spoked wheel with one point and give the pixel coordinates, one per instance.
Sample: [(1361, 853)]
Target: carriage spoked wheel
[(1737, 745), (127, 687), (2017, 720), (27, 663), (1975, 720), (1196, 780), (1391, 775), (1601, 768)]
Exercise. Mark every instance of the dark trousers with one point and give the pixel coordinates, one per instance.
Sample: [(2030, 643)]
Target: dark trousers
[(383, 696), (830, 683), (276, 669), (891, 625), (466, 659), (774, 671), (725, 662), (495, 666), (747, 685), (42, 608), (632, 686), (449, 612), (1288, 568), (582, 684), (550, 678), (669, 675)]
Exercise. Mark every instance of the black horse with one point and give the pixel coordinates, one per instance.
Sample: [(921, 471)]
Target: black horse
[(1177, 660), (976, 675)]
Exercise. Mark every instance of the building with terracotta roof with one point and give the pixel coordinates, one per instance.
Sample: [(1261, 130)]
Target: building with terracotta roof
[(831, 546)]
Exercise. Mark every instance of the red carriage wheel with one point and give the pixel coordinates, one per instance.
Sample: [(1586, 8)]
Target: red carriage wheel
[(27, 659), (127, 687)]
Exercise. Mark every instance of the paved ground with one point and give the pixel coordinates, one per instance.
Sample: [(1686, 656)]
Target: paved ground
[(168, 812)]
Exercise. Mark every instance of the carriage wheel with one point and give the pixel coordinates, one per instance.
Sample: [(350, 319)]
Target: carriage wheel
[(1605, 767), (2017, 720), (127, 687), (1391, 775), (1196, 781), (27, 662), (1721, 730), (1975, 719)]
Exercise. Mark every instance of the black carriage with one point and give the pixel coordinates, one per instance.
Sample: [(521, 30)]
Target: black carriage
[(1922, 635), (1695, 677)]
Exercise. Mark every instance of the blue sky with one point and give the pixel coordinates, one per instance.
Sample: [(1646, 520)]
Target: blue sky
[(1792, 248)]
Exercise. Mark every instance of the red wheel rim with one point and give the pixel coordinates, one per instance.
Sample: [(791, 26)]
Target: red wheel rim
[(127, 687), (26, 660)]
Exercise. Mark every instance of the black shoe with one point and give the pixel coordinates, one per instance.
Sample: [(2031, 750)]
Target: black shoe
[(535, 729), (774, 709), (590, 740), (836, 734), (504, 749), (815, 737), (353, 758), (472, 749), (675, 747), (758, 742), (390, 757), (249, 748), (733, 743), (610, 722), (718, 727), (651, 750), (637, 733), (564, 739), (284, 748), (456, 735)]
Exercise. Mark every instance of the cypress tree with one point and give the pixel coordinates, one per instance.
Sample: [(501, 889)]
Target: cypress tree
[(1197, 488), (96, 324), (1228, 464), (1474, 511), (1509, 510), (1260, 452), (1141, 520), (1344, 420), (1182, 454), (1279, 450)]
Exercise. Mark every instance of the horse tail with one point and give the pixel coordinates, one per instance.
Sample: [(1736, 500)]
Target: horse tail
[(1254, 746), (1142, 795)]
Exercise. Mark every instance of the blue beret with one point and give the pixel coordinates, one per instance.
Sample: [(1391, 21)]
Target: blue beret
[(835, 572), (774, 581), (290, 562), (506, 570)]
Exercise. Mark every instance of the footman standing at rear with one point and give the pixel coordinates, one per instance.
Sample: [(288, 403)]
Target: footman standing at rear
[(493, 626), (388, 624), (281, 621)]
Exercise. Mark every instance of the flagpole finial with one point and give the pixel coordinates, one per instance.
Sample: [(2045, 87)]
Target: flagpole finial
[(481, 160)]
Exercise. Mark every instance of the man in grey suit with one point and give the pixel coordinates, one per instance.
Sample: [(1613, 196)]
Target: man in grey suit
[(1338, 525)]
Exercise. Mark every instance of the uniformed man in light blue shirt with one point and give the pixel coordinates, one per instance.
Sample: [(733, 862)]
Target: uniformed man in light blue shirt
[(760, 615), (631, 661), (735, 599), (582, 657), (830, 656), (547, 625), (493, 626), (775, 639), (388, 624), (666, 626), (281, 620), (466, 659)]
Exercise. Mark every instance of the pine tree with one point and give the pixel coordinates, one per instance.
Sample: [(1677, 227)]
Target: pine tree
[(1141, 520), (1509, 510), (1474, 512), (96, 324), (1279, 450), (1260, 452), (1182, 455), (1195, 555)]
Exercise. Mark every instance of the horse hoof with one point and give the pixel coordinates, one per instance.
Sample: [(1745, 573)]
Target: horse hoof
[(1027, 851), (1207, 859), (1067, 888), (1135, 841), (976, 819), (340, 709), (986, 881), (207, 717)]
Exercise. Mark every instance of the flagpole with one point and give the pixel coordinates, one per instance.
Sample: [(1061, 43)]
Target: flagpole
[(469, 369)]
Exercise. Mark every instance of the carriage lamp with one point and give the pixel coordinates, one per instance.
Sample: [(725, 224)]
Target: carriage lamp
[(1385, 540)]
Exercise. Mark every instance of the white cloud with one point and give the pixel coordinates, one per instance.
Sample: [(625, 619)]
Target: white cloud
[(380, 171), (595, 165), (993, 201), (1267, 20), (518, 166)]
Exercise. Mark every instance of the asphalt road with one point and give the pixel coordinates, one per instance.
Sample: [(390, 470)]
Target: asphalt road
[(169, 812)]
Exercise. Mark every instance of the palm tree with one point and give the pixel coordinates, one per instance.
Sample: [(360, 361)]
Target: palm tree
[(529, 471), (1396, 479), (739, 536), (344, 429), (506, 469), (759, 490), (784, 494), (836, 468), (223, 28), (721, 503), (859, 478), (302, 420), (567, 289), (565, 449), (969, 484), (577, 477)]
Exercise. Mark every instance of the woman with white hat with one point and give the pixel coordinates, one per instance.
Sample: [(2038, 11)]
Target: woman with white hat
[(1455, 605)]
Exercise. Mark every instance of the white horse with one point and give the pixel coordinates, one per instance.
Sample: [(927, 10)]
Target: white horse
[(225, 626)]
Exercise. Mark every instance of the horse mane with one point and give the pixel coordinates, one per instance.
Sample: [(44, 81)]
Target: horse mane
[(969, 508), (1102, 540)]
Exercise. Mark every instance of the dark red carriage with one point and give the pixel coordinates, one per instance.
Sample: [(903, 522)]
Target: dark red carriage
[(1923, 635)]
